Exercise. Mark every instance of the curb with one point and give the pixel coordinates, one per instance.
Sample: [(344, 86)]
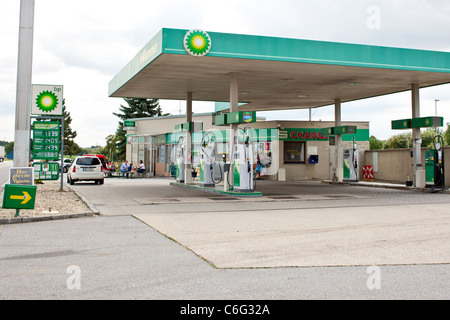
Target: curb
[(94, 211), (91, 207), (386, 186), (4, 221)]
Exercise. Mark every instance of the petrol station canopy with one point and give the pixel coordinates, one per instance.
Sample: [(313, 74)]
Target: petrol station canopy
[(275, 73)]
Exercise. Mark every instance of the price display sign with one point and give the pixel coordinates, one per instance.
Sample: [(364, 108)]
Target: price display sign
[(46, 140), (46, 171)]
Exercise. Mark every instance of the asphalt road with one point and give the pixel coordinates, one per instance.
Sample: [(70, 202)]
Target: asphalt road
[(4, 173), (138, 249)]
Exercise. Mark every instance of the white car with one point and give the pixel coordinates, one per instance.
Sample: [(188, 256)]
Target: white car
[(85, 168)]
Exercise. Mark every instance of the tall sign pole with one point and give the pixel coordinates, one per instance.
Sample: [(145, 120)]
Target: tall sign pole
[(23, 93)]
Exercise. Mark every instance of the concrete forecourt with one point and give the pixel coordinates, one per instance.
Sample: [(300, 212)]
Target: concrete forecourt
[(301, 240)]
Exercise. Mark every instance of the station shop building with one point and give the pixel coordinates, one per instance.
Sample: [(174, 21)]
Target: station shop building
[(288, 150)]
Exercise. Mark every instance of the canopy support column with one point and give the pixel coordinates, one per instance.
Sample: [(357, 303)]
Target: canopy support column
[(418, 172), (339, 151), (188, 142), (234, 103)]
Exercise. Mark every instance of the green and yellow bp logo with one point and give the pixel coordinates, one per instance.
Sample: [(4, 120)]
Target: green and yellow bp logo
[(47, 101), (197, 43)]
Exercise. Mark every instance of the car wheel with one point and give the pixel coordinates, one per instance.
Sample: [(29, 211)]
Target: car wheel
[(72, 182), (101, 181)]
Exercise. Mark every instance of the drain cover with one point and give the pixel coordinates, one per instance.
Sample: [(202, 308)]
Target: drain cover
[(283, 197), (337, 196)]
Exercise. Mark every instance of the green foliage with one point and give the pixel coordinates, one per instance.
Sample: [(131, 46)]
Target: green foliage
[(70, 146), (136, 108), (375, 144), (399, 141), (139, 108), (121, 142), (9, 147), (428, 135), (404, 140), (446, 135), (110, 150)]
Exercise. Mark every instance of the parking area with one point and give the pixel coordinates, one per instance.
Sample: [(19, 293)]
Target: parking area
[(294, 224)]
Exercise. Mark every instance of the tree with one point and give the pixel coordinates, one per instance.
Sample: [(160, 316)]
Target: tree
[(399, 141), (428, 135), (70, 146), (136, 108), (9, 147), (111, 146), (375, 144), (404, 140), (139, 108), (446, 135)]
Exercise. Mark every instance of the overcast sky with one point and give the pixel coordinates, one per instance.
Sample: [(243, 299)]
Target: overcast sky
[(83, 44)]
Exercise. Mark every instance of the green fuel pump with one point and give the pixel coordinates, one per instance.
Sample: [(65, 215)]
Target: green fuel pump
[(244, 179), (178, 159), (434, 165), (207, 161)]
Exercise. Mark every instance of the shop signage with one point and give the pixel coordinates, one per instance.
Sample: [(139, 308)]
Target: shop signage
[(294, 134)]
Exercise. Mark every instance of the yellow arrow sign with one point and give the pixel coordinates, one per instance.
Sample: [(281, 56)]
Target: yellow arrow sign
[(26, 197)]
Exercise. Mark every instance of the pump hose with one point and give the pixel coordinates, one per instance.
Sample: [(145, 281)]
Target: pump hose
[(203, 150), (221, 175), (436, 187)]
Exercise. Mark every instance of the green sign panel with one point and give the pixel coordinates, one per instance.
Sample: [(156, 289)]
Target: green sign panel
[(339, 130), (235, 118), (345, 130), (327, 131), (189, 126), (221, 119), (46, 140), (46, 171), (401, 124), (427, 122), (129, 123), (19, 197)]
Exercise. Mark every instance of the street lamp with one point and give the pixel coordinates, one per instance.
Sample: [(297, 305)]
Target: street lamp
[(435, 111)]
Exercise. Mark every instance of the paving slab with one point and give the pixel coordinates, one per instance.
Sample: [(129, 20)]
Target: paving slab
[(350, 236)]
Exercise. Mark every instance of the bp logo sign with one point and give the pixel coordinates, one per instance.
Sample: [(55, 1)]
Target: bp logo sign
[(197, 43), (47, 100)]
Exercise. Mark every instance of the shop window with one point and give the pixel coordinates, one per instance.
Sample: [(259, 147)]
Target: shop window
[(161, 153), (294, 151)]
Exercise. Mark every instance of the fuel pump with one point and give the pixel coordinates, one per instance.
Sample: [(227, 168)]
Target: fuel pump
[(207, 160), (243, 163), (439, 168), (351, 163), (179, 158)]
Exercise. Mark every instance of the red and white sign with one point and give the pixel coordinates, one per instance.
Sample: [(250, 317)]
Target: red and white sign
[(367, 173)]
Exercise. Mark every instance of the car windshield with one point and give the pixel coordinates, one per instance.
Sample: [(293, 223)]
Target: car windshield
[(88, 161)]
